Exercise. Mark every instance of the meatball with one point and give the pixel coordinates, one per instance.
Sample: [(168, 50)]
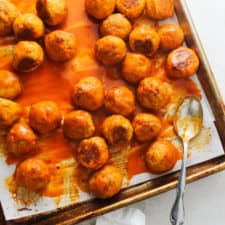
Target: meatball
[(93, 153), (171, 36), (78, 125), (10, 86), (117, 130), (153, 94), (146, 126), (145, 41), (182, 63), (161, 156), (88, 93), (27, 56), (116, 25), (45, 117), (159, 9), (10, 112), (120, 100), (110, 50), (100, 9), (136, 67), (21, 139), (131, 8), (145, 22), (8, 13), (28, 27), (106, 182), (60, 45), (32, 174), (52, 12)]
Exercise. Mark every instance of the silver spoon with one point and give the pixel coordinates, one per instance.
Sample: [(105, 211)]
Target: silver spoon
[(187, 124)]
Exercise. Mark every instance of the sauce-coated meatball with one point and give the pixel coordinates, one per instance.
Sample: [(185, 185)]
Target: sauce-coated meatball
[(131, 8), (136, 67), (93, 153), (120, 100), (60, 45), (146, 126), (182, 62), (88, 93), (21, 139), (10, 86), (45, 116), (152, 93), (117, 130), (52, 12), (110, 50), (8, 13), (32, 174), (145, 41), (28, 27), (106, 182), (116, 25), (171, 36), (100, 9), (27, 56), (78, 125), (161, 156)]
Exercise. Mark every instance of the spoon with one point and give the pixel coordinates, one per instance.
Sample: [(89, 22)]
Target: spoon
[(187, 123)]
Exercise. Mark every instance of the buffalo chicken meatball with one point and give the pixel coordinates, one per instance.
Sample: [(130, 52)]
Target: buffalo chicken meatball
[(117, 130), (182, 63), (52, 12), (32, 174), (110, 50), (120, 100), (27, 56), (145, 41), (106, 182), (60, 45), (136, 67), (88, 93), (161, 156), (78, 125), (45, 116), (93, 153), (10, 86)]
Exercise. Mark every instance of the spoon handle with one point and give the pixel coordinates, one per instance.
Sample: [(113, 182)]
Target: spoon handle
[(177, 212)]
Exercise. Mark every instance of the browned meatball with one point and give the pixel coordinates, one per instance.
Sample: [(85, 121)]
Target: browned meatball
[(8, 13), (136, 67), (182, 62), (116, 25), (21, 139), (146, 126), (60, 45), (131, 8), (171, 36), (32, 174), (152, 93), (117, 130), (28, 27), (10, 86), (10, 112), (145, 41), (145, 22), (106, 182), (120, 100), (100, 9), (93, 153), (78, 125), (161, 156), (27, 56), (88, 93), (52, 12), (110, 50)]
